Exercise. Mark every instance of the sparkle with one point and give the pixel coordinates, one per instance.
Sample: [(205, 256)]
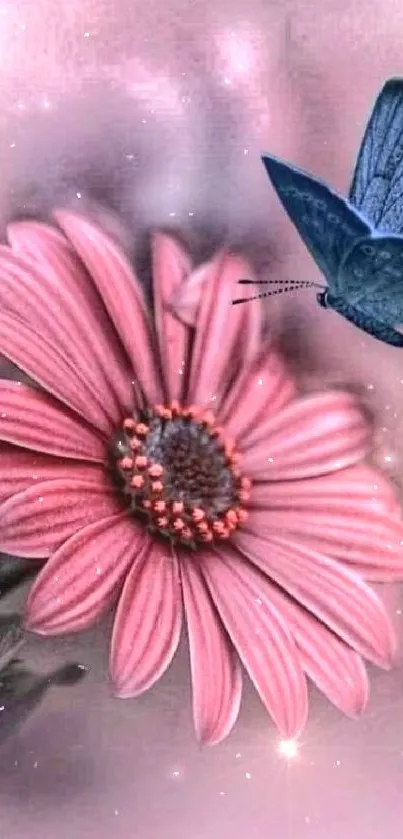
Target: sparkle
[(288, 749)]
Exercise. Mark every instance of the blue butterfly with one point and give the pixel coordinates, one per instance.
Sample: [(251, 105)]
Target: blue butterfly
[(357, 242)]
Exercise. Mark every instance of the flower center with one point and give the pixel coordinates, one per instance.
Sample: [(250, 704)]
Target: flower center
[(180, 475)]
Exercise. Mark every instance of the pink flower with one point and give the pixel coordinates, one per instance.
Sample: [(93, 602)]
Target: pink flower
[(165, 462)]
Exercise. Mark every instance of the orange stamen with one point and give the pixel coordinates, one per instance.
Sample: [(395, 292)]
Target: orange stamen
[(155, 471), (140, 461)]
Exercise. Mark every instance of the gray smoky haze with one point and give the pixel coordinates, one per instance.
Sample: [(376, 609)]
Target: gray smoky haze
[(104, 151)]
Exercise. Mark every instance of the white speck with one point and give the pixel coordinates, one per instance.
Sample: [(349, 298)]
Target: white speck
[(12, 145), (2, 707), (248, 776), (99, 571), (258, 601), (144, 121), (222, 793), (260, 382), (246, 151), (175, 774), (40, 499), (3, 414), (190, 214), (78, 194), (20, 106), (130, 157), (307, 819), (227, 81), (398, 611), (87, 34), (388, 458), (238, 755), (338, 762), (35, 765), (116, 812), (46, 104), (270, 459), (172, 214), (370, 387), (23, 26)]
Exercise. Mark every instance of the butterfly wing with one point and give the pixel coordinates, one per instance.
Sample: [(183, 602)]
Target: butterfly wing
[(371, 277), (377, 187), (326, 222)]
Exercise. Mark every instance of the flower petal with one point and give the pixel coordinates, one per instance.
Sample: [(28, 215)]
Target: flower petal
[(337, 596), (216, 674), (368, 541), (122, 295), (148, 621), (44, 363), (187, 298), (310, 437), (81, 579), (36, 421), (170, 267), (53, 280), (263, 389), (21, 469), (235, 331), (36, 521), (260, 636), (337, 670)]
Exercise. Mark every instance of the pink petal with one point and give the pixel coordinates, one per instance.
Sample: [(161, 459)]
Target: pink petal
[(37, 520), (82, 578), (263, 389), (33, 420), (21, 469), (338, 597), (44, 363), (216, 674), (170, 267), (260, 636), (338, 671), (122, 295), (372, 547), (187, 298), (53, 294), (352, 515), (226, 336), (308, 438), (148, 621)]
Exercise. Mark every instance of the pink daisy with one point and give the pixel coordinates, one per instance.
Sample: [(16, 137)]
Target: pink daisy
[(165, 463)]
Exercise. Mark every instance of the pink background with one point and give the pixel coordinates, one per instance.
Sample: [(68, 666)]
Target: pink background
[(160, 110)]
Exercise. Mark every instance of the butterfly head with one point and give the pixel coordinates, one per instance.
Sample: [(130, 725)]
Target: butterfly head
[(323, 299)]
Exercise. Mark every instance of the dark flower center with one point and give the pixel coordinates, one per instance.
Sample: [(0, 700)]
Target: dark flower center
[(180, 475)]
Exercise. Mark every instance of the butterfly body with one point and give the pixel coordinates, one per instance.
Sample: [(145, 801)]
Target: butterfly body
[(357, 242)]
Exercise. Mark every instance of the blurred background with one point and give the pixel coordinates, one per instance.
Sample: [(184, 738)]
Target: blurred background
[(158, 112)]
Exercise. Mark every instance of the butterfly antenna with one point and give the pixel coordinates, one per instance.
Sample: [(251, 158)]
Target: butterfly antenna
[(285, 286)]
